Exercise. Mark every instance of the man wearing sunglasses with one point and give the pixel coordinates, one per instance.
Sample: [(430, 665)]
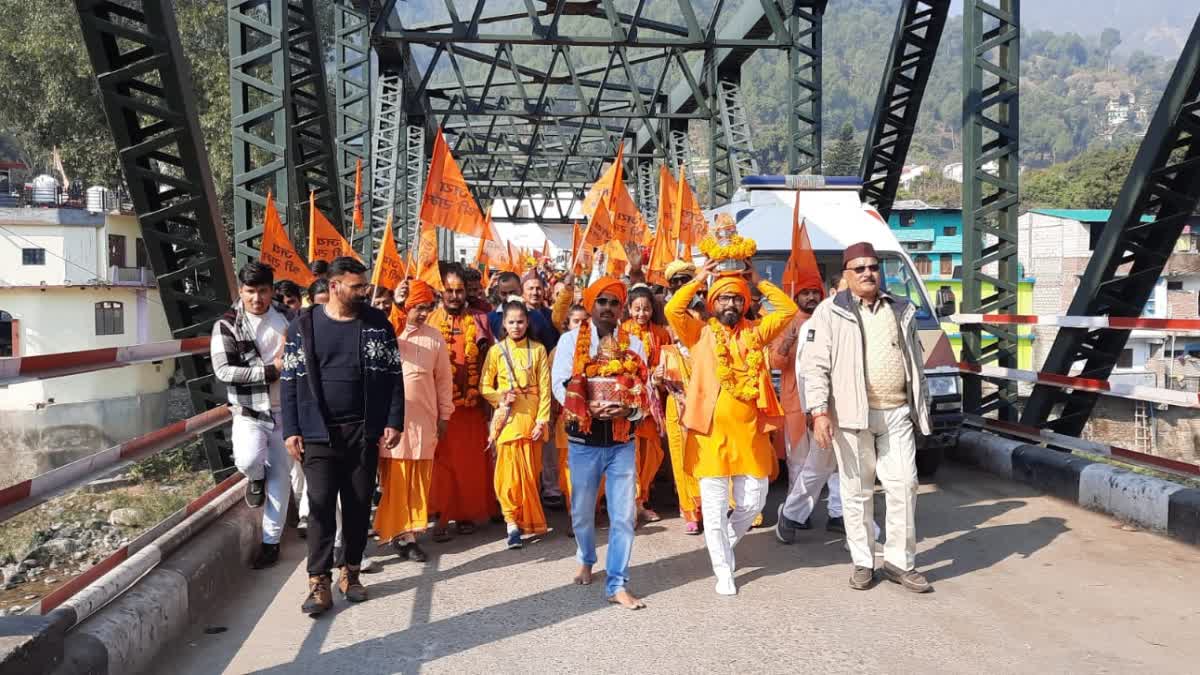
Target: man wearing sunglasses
[(864, 385)]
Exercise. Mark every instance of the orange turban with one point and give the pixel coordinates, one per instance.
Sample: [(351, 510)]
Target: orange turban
[(726, 285), (609, 285), (419, 293)]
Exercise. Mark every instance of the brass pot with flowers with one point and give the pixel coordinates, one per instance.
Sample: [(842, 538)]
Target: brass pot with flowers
[(731, 251)]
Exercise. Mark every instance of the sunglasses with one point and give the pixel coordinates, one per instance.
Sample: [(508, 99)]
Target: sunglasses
[(607, 302), (864, 268), (679, 281)]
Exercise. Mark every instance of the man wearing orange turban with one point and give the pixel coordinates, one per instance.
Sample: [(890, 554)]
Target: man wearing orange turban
[(406, 470), (731, 406), (600, 442)]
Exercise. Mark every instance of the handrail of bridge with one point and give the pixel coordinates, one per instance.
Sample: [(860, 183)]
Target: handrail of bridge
[(1136, 392), (29, 493), (1116, 322), (43, 366)]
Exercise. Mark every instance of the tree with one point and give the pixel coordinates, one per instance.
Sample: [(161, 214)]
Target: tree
[(845, 156), (1092, 180), (1110, 39)]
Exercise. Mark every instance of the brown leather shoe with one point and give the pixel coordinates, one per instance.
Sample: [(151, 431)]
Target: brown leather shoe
[(349, 585), (862, 578), (910, 579), (320, 597)]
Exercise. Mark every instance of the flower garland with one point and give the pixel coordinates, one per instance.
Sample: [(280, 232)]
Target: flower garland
[(470, 397), (738, 248), (585, 365), (744, 388)]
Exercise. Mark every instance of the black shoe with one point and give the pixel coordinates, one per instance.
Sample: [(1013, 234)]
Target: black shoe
[(256, 493), (415, 554), (836, 524), (302, 528), (784, 531), (554, 502), (267, 556)]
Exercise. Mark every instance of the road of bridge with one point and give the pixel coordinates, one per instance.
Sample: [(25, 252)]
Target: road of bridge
[(1023, 582)]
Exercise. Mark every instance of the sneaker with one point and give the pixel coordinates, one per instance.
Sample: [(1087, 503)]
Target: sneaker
[(267, 556), (256, 493), (415, 554), (349, 585), (911, 579), (862, 578), (514, 539), (320, 598), (785, 529), (302, 528), (836, 524)]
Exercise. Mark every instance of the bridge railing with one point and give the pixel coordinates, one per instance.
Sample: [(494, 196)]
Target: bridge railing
[(1169, 396), (85, 593)]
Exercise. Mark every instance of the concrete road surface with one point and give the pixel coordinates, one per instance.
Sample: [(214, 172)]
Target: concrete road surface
[(1023, 582)]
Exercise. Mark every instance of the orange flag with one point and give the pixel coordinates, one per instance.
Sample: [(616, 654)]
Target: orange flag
[(602, 189), (668, 191), (689, 218), (324, 241), (358, 196), (546, 249), (576, 249), (486, 278), (801, 271), (389, 266), (447, 201), (427, 258), (628, 223), (616, 258), (600, 229), (278, 252)]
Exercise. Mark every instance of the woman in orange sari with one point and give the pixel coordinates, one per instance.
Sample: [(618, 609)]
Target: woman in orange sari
[(647, 323)]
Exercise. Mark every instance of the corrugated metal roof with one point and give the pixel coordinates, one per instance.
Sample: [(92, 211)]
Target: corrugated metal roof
[(907, 234)]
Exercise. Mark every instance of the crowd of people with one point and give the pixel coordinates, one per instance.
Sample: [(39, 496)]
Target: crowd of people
[(416, 415)]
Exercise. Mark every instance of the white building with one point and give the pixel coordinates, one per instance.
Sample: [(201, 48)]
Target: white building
[(71, 279)]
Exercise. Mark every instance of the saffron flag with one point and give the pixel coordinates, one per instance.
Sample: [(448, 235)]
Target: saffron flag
[(600, 228), (324, 241), (602, 189), (427, 258), (546, 249), (278, 252), (447, 201), (628, 223), (615, 258), (389, 266), (689, 220), (668, 191), (358, 196), (801, 271), (577, 262)]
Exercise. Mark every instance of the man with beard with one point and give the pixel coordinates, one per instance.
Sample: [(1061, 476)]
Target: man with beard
[(475, 293), (600, 439), (541, 328), (731, 406), (342, 396), (462, 482)]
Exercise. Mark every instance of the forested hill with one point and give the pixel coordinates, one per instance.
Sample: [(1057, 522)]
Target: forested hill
[(1066, 82)]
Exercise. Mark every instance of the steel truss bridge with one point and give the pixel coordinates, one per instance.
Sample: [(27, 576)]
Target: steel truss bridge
[(535, 95)]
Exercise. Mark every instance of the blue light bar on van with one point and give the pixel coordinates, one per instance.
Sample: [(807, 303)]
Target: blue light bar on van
[(796, 182)]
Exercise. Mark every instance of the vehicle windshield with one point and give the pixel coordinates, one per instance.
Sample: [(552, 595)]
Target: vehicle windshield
[(898, 277)]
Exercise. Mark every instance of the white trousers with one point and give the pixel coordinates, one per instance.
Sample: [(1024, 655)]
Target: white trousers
[(259, 453), (886, 448), (809, 469), (300, 489), (722, 532)]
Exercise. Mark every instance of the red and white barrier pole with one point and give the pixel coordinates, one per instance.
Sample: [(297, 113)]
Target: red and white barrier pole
[(1090, 322), (44, 366), (1137, 392)]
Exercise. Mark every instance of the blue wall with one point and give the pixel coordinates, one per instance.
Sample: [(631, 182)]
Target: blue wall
[(931, 233)]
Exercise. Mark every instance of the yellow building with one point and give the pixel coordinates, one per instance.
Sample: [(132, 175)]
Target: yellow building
[(1025, 335)]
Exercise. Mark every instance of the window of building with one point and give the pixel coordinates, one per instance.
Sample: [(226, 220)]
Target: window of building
[(116, 250), (33, 256), (947, 264), (8, 335), (907, 218), (924, 267), (1126, 359), (110, 318), (918, 245), (139, 250), (1174, 285), (949, 231)]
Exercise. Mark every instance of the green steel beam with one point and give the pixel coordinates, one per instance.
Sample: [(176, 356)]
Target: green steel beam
[(149, 100), (991, 76), (804, 86), (352, 101)]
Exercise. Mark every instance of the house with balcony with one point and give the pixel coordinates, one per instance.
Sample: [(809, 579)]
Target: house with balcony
[(74, 275)]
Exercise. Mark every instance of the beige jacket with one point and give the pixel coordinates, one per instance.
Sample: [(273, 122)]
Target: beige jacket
[(833, 365)]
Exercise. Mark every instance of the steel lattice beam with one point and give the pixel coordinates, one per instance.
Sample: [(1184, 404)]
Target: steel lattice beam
[(146, 89), (804, 86), (991, 31), (413, 176), (352, 101), (310, 142), (915, 43), (386, 161), (257, 79), (1130, 255)]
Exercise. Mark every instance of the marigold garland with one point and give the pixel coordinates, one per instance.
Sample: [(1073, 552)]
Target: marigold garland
[(742, 387), (470, 397), (584, 364), (738, 248)]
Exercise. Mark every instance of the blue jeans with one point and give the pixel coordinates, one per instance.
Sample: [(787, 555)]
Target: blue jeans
[(618, 466)]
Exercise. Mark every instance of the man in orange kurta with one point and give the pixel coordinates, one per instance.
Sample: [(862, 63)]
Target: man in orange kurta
[(406, 470), (731, 406), (462, 480)]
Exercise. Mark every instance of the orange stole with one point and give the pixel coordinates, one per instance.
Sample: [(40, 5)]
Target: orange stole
[(462, 479), (518, 465), (704, 388), (404, 506)]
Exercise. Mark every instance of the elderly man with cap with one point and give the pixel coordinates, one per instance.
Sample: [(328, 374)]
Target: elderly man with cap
[(601, 436), (864, 383), (731, 405), (406, 470)]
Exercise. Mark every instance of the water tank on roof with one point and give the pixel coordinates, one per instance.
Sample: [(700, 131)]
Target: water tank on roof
[(97, 196), (45, 190)]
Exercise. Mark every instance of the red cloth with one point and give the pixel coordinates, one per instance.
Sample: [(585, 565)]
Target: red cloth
[(862, 249), (462, 475)]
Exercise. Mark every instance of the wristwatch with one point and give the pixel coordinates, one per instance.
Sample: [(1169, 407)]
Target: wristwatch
[(819, 410)]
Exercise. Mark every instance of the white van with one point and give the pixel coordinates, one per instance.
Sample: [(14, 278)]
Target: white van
[(836, 217)]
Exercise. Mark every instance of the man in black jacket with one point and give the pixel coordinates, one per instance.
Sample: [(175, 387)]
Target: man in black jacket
[(343, 396)]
